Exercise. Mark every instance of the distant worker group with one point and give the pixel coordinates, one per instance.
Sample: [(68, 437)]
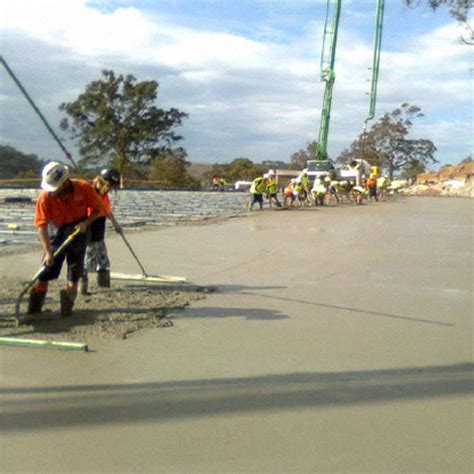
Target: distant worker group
[(302, 191)]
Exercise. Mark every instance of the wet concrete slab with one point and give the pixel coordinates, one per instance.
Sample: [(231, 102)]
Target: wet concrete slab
[(337, 340)]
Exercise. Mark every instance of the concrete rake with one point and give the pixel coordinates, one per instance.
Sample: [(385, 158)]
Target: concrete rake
[(144, 276)]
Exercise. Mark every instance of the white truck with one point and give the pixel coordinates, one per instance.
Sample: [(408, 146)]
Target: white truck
[(355, 171), (319, 168)]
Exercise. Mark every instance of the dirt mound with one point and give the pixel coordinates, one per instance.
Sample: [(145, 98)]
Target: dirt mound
[(113, 313), (448, 181)]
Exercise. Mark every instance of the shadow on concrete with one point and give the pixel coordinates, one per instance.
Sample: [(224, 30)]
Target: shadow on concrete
[(33, 408), (247, 313), (241, 289)]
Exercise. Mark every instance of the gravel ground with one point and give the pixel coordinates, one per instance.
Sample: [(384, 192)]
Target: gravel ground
[(115, 313)]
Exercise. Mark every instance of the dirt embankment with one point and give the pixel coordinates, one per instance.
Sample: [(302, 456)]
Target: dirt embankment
[(115, 313), (448, 181)]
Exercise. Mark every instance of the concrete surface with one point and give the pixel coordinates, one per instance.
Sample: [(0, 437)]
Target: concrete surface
[(338, 340)]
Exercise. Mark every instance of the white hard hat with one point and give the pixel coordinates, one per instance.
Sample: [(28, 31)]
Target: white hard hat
[(298, 179), (305, 170), (271, 173), (266, 175), (53, 176)]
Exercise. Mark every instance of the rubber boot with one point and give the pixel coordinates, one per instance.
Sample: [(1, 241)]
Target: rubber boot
[(35, 301), (67, 303), (103, 279), (84, 286)]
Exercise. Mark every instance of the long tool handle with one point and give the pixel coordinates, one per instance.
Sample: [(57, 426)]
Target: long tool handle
[(58, 251), (133, 253), (37, 110)]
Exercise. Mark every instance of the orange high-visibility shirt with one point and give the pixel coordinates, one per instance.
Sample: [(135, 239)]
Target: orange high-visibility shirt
[(59, 212), (107, 208)]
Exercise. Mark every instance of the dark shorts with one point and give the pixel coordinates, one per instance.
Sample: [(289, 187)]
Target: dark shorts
[(97, 230), (257, 198), (73, 254)]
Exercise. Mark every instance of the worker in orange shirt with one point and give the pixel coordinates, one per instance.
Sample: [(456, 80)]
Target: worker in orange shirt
[(372, 187), (63, 204), (97, 259)]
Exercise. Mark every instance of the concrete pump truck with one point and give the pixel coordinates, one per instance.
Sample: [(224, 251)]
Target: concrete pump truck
[(322, 165)]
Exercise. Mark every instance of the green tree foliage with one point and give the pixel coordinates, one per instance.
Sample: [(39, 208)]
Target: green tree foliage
[(413, 169), (237, 169), (116, 121), (170, 170), (387, 143), (298, 160), (15, 164), (458, 9)]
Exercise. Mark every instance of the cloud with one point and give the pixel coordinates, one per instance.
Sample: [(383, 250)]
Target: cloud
[(253, 91)]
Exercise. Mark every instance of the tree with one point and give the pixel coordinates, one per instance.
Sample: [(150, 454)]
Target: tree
[(413, 169), (116, 121), (387, 144), (274, 165), (360, 149), (237, 169), (15, 164), (170, 169), (458, 9), (388, 139), (298, 160)]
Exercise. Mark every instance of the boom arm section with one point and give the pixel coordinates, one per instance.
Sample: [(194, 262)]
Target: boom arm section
[(328, 57), (375, 59)]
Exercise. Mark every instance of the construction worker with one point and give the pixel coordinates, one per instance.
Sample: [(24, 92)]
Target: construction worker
[(305, 181), (272, 189), (215, 183), (300, 191), (332, 187), (318, 191), (97, 259), (358, 193), (64, 204), (289, 194), (222, 183), (383, 184), (372, 186), (257, 189)]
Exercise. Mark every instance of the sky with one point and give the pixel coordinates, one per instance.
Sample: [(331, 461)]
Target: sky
[(246, 71)]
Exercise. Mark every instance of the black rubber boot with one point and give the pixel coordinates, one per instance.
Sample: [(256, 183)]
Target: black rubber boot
[(84, 286), (103, 279), (35, 301), (67, 303)]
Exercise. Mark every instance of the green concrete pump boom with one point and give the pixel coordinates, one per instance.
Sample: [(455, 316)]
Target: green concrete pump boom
[(328, 56), (375, 59)]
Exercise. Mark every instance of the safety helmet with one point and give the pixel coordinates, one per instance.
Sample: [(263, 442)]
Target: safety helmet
[(271, 173), (265, 176), (305, 171), (53, 176), (111, 176)]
